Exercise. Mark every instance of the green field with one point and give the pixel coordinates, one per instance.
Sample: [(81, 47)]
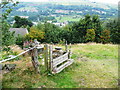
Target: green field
[(67, 18), (95, 66)]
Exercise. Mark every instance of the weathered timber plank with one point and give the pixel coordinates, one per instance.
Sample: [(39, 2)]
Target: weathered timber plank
[(60, 68), (60, 57), (60, 60)]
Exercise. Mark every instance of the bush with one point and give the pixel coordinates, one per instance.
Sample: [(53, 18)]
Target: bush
[(19, 40)]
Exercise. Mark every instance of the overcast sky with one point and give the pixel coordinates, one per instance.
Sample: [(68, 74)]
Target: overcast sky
[(102, 1)]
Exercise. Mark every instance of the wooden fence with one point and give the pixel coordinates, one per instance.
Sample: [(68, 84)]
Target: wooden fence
[(52, 64)]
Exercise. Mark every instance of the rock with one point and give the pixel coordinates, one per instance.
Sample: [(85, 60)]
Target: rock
[(57, 53), (9, 67)]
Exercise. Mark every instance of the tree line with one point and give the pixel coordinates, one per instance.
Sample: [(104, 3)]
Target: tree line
[(87, 29)]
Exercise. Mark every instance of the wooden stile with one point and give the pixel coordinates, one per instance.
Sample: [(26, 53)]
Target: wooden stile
[(61, 62)]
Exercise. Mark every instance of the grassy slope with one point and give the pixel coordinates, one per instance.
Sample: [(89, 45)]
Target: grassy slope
[(95, 66)]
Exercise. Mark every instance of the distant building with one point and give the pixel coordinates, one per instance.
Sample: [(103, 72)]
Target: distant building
[(35, 23), (19, 31), (61, 24), (49, 21), (57, 24)]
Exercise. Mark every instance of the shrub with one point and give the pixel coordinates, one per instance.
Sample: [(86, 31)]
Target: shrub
[(19, 40)]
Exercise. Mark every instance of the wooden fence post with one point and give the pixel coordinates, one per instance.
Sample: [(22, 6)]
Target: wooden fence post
[(35, 61), (70, 52), (66, 47), (50, 58), (34, 56), (46, 56)]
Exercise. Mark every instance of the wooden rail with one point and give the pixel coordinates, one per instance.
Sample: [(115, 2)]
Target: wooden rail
[(60, 59), (63, 66)]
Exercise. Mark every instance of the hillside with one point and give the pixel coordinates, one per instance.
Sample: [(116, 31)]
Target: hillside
[(57, 11), (95, 66)]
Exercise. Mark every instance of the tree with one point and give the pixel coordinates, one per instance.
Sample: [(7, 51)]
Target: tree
[(90, 35), (19, 22), (7, 6), (7, 38), (88, 21), (97, 26), (79, 29), (114, 27), (35, 33), (52, 33), (105, 36), (65, 34), (40, 26)]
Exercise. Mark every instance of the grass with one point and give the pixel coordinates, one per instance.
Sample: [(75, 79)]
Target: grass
[(95, 66)]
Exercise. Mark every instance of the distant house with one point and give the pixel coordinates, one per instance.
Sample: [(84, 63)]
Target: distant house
[(19, 31), (35, 23), (61, 24)]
